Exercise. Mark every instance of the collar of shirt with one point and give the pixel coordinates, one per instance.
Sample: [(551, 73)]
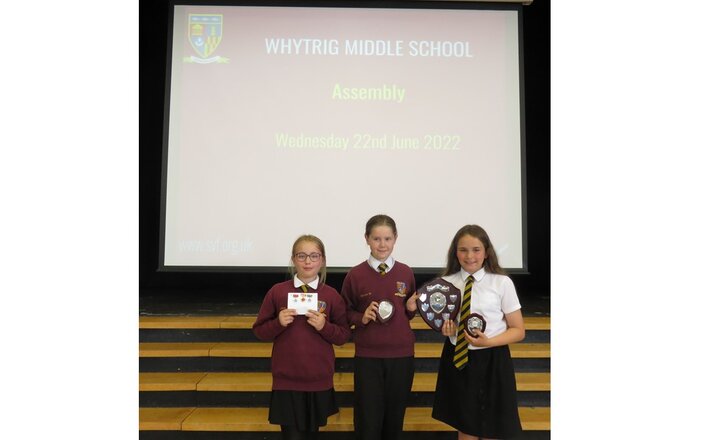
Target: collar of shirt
[(297, 282), (477, 275), (374, 263)]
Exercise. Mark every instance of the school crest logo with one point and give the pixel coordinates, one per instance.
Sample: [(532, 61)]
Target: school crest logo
[(401, 289), (205, 34), (322, 305)]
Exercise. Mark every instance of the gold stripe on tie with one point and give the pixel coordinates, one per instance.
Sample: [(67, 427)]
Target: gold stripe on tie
[(460, 357), (383, 267), (304, 288)]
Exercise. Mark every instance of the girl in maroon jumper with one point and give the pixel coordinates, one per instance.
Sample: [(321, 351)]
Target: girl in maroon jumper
[(303, 358), (384, 351)]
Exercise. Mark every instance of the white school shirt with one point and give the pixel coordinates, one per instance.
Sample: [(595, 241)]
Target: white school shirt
[(297, 282), (374, 263), (493, 296)]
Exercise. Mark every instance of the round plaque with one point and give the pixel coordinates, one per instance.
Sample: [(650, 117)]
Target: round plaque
[(385, 311), (438, 299), (475, 323)]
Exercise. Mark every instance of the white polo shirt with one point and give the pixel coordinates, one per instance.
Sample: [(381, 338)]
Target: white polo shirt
[(493, 296)]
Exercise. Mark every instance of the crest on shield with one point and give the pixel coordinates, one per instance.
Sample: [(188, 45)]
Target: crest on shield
[(205, 33)]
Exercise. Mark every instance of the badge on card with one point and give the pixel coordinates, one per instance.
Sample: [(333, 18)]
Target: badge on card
[(302, 301)]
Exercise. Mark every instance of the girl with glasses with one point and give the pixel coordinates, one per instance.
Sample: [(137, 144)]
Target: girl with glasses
[(303, 359)]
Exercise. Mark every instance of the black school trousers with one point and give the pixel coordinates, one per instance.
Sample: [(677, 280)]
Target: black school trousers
[(382, 390)]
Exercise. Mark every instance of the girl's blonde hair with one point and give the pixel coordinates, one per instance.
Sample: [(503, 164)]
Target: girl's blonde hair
[(320, 245)]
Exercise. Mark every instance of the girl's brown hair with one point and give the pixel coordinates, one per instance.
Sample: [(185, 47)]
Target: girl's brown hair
[(320, 245), (380, 220), (490, 264)]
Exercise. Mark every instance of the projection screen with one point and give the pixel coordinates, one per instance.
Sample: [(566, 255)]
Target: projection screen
[(282, 121)]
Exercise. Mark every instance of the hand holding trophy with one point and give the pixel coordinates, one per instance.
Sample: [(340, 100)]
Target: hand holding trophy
[(475, 323), (438, 301), (385, 311)]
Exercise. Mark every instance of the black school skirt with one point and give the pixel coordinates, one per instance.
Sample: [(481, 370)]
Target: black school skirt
[(480, 399), (305, 410)]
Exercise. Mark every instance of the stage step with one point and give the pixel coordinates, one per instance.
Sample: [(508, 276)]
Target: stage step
[(246, 322), (263, 381), (255, 356), (264, 349), (253, 389), (239, 329), (255, 419), (207, 377)]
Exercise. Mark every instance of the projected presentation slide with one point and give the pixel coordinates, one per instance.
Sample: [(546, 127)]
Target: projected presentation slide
[(284, 121)]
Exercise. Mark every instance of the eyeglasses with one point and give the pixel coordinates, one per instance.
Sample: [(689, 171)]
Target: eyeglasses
[(303, 256)]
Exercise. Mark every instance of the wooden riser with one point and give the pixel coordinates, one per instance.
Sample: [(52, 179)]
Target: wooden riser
[(255, 419), (264, 349), (323, 435), (422, 382), (246, 335), (246, 322), (259, 399), (215, 365), (215, 329), (207, 364), (253, 389)]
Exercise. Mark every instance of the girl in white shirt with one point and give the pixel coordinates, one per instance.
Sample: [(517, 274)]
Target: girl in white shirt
[(476, 391)]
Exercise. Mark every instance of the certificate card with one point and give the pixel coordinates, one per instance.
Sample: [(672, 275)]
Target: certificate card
[(302, 302)]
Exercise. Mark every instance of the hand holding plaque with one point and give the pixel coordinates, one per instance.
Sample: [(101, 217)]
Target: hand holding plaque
[(475, 324), (385, 311), (438, 301)]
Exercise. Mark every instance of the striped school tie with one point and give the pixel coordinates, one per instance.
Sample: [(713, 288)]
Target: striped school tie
[(304, 288), (461, 346), (383, 267)]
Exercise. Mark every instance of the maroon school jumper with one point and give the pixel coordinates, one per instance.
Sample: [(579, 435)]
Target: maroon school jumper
[(362, 285), (303, 358)]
